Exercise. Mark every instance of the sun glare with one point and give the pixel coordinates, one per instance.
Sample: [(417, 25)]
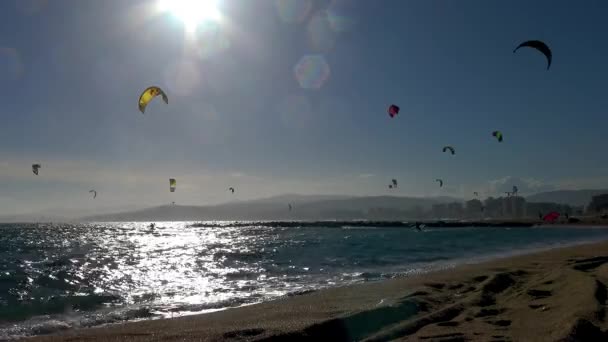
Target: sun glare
[(191, 12)]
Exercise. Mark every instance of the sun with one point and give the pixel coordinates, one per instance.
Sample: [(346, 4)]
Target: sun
[(191, 12)]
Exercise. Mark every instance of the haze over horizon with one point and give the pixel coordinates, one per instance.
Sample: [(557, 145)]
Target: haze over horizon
[(239, 115)]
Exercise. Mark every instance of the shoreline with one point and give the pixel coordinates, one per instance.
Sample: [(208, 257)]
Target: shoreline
[(491, 223), (502, 297), (408, 224)]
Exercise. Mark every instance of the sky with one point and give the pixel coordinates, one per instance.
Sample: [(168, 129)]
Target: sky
[(291, 96)]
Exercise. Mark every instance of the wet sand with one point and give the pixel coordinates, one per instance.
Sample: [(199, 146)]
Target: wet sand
[(557, 295)]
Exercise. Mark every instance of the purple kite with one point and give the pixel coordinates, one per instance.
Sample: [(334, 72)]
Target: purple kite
[(393, 110)]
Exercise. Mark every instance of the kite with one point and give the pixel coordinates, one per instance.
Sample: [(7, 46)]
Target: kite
[(497, 135), (35, 168), (393, 110), (148, 95), (540, 46), (231, 189), (449, 148), (94, 193), (440, 182)]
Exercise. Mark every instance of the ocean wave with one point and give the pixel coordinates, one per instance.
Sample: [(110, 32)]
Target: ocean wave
[(307, 224), (49, 324), (360, 224), (70, 276)]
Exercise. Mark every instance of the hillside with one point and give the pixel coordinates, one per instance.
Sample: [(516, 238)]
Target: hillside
[(276, 208), (570, 197)]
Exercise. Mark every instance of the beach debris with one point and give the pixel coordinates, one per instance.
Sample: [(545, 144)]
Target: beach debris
[(231, 189), (148, 95), (551, 217), (440, 182), (449, 148), (172, 185), (35, 168), (540, 46), (393, 110), (497, 135), (94, 193)]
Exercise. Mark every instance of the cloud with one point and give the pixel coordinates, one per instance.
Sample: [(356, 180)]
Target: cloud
[(600, 182), (64, 183), (237, 174), (526, 186)]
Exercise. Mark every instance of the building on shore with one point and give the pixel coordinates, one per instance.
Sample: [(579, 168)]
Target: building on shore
[(598, 205), (510, 207)]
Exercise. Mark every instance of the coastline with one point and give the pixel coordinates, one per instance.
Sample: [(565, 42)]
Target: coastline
[(542, 296), (448, 223)]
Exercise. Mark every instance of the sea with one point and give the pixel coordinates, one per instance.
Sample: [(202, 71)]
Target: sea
[(55, 277)]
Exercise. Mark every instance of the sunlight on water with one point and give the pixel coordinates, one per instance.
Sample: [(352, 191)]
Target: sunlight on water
[(91, 274)]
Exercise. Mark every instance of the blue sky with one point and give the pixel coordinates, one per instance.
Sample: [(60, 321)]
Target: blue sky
[(71, 72)]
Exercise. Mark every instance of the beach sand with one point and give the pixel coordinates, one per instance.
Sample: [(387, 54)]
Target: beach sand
[(548, 296)]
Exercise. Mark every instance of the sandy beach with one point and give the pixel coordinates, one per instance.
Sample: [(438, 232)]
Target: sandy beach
[(548, 296)]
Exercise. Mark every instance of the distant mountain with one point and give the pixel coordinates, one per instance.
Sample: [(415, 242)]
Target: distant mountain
[(32, 218), (63, 214), (277, 208), (570, 197), (287, 198)]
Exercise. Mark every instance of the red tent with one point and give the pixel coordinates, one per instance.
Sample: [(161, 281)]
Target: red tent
[(551, 217)]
